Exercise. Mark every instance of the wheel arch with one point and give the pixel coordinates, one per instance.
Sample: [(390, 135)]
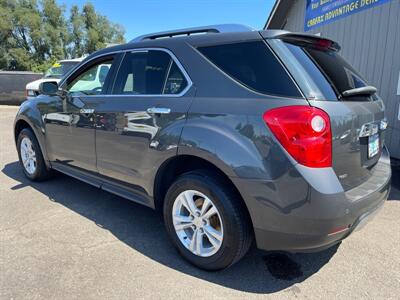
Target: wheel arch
[(180, 164), (22, 122)]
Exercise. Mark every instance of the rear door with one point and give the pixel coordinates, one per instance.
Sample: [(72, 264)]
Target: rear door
[(139, 125), (356, 112)]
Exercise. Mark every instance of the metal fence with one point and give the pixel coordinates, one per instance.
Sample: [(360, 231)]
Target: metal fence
[(12, 86)]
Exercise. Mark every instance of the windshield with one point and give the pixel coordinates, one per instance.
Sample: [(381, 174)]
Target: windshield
[(59, 69)]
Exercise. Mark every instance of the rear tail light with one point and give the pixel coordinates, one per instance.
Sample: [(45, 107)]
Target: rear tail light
[(304, 132)]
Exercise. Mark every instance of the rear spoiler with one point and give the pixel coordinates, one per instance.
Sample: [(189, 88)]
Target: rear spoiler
[(302, 39)]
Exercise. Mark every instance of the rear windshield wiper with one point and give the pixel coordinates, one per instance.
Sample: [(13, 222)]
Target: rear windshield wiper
[(365, 90)]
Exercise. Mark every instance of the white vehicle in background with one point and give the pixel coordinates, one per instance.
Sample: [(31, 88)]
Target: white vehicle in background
[(55, 73)]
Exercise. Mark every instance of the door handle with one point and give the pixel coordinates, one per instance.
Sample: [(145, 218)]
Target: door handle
[(86, 111), (158, 110)]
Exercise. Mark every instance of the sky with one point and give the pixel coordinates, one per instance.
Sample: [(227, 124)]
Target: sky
[(147, 16)]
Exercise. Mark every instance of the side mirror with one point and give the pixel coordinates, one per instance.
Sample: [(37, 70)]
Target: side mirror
[(49, 88)]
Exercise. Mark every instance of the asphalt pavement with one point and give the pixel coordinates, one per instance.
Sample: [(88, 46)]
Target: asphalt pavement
[(64, 239)]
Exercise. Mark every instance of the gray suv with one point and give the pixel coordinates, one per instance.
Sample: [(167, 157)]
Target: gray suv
[(233, 134)]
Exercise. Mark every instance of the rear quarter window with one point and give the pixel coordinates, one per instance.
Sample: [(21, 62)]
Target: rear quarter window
[(253, 65)]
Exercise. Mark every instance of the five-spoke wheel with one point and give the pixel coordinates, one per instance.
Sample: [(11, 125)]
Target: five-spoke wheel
[(30, 156), (207, 220), (197, 223)]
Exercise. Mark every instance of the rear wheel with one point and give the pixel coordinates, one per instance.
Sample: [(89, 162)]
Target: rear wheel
[(30, 156), (206, 221)]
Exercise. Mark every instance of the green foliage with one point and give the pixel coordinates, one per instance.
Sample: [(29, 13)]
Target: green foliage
[(34, 34)]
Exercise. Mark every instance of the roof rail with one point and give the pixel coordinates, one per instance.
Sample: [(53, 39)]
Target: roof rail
[(221, 28)]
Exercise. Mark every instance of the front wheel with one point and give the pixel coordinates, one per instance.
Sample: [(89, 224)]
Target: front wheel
[(30, 156), (207, 221)]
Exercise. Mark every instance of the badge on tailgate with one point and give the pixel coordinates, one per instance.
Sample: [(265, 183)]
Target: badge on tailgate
[(370, 130)]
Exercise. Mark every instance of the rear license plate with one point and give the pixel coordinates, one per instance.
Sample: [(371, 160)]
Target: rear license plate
[(373, 145)]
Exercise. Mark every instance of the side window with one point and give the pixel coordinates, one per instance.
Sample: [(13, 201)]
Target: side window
[(175, 82), (150, 72), (91, 81), (254, 65)]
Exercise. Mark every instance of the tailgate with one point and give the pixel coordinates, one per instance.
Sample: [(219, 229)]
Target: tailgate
[(330, 83), (357, 138)]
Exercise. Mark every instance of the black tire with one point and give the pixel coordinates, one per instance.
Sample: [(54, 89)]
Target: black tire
[(41, 172), (237, 228)]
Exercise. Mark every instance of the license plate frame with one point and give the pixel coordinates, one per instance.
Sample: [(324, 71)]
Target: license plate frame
[(373, 145)]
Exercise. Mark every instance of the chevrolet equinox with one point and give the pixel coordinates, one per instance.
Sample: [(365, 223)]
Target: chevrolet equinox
[(233, 134)]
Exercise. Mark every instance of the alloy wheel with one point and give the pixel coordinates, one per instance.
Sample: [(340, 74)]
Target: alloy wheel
[(28, 156), (197, 223)]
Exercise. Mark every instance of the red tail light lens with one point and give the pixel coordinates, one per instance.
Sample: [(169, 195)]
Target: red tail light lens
[(305, 132)]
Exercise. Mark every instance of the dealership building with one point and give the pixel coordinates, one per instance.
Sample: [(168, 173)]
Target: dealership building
[(368, 32)]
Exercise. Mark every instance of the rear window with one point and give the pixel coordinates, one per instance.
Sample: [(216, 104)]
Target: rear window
[(327, 67), (342, 75), (253, 65)]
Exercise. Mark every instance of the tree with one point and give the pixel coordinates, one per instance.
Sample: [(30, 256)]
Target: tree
[(33, 34), (90, 21), (99, 30), (76, 32), (54, 29), (20, 33)]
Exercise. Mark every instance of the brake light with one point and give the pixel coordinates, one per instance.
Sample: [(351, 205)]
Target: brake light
[(323, 44), (305, 132)]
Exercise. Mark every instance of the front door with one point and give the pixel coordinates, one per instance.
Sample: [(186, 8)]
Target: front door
[(139, 125), (70, 122)]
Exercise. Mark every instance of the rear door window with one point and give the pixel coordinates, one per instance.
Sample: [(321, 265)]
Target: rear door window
[(253, 65), (150, 72), (175, 82)]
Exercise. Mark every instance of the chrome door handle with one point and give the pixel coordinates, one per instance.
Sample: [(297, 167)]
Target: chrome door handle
[(86, 111), (158, 110)]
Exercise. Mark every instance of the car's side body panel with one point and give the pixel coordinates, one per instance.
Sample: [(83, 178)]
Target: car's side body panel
[(70, 135), (131, 143), (215, 126)]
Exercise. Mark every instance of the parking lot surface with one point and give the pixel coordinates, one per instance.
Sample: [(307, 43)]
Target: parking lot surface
[(64, 239)]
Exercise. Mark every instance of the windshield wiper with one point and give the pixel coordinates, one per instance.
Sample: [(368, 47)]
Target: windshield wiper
[(365, 90)]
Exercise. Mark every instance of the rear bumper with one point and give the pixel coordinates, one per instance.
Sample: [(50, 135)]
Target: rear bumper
[(291, 214)]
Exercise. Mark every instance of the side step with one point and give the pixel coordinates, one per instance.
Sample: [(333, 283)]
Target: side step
[(105, 184)]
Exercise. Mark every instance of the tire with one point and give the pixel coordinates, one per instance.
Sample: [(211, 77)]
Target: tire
[(231, 223), (27, 139)]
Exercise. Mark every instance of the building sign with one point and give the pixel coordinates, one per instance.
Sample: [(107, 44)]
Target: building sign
[(321, 12)]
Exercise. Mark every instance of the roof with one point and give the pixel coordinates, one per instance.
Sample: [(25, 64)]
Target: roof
[(167, 39), (277, 17), (181, 35)]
